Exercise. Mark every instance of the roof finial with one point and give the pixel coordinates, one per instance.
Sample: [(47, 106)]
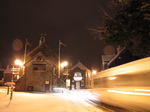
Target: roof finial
[(42, 39)]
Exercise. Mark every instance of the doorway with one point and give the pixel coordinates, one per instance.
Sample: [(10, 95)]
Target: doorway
[(47, 86), (77, 85)]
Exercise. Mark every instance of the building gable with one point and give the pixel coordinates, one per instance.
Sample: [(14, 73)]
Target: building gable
[(45, 50), (80, 65), (40, 58)]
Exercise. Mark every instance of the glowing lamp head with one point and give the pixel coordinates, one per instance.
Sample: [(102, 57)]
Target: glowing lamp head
[(64, 64), (94, 72), (18, 62)]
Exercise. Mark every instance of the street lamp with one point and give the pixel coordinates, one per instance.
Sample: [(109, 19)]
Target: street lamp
[(15, 71), (65, 72), (18, 62), (18, 68), (94, 72), (65, 63)]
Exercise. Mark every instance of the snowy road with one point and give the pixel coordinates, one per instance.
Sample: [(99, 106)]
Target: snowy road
[(72, 101)]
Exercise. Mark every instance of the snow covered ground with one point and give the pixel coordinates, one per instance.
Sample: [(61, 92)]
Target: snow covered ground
[(72, 101)]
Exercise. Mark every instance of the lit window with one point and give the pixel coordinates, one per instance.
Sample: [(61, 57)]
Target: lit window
[(77, 76)]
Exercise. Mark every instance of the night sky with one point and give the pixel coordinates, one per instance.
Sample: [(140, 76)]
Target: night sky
[(67, 20)]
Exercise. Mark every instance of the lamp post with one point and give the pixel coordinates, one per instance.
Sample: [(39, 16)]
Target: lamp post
[(63, 65), (19, 68), (65, 70), (14, 70)]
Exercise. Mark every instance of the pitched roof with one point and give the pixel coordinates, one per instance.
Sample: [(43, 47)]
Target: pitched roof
[(116, 56), (80, 65), (45, 50), (41, 54)]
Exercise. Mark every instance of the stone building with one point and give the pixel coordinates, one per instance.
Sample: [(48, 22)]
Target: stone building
[(39, 70)]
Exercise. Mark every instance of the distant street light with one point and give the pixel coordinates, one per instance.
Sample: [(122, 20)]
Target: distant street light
[(94, 72)]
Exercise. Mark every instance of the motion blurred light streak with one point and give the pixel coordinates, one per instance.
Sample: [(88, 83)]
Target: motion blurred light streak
[(128, 68), (112, 78), (132, 93), (142, 90)]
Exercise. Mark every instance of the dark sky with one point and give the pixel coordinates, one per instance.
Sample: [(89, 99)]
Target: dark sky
[(67, 20)]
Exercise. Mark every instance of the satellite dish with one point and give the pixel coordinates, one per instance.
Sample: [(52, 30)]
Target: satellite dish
[(109, 50)]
